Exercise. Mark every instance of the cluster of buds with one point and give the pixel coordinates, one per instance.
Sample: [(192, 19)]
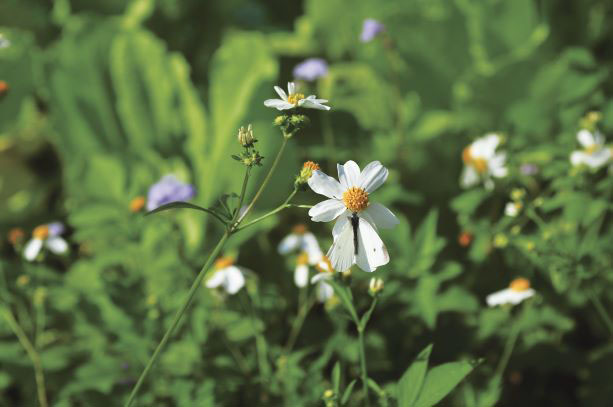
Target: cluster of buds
[(291, 123), (375, 287), (250, 156), (305, 173)]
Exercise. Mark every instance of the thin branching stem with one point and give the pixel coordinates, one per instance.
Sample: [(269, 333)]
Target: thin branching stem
[(601, 311)]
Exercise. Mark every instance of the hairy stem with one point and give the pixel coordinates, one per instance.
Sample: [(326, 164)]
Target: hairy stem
[(363, 371)]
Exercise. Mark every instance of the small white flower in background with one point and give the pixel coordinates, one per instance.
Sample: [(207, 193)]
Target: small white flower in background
[(512, 209), (4, 42), (301, 239), (375, 286), (227, 276), (356, 240), (323, 290), (518, 291), (47, 236), (594, 154), (301, 272), (482, 162), (294, 99)]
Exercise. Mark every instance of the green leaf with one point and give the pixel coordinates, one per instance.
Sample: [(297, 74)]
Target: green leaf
[(336, 378), (345, 296), (411, 381), (348, 391), (440, 381)]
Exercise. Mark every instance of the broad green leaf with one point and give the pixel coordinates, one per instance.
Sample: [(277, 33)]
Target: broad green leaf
[(411, 381), (440, 381)]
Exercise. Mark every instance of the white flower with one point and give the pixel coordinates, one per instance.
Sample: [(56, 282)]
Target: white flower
[(303, 240), (294, 99), (375, 286), (512, 209), (356, 240), (301, 272), (481, 162), (518, 290), (47, 236), (323, 290), (594, 154), (227, 275)]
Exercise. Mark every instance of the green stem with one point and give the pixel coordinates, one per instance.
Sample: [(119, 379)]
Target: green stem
[(274, 211), (34, 356), (328, 136), (265, 182), (508, 350), (363, 370), (601, 311), (303, 311), (188, 300), (241, 198)]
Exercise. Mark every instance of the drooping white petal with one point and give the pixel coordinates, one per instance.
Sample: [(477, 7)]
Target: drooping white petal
[(217, 279), (325, 185), (508, 296), (586, 138), (598, 158), (289, 243), (497, 165), (278, 104), (348, 174), (469, 177), (291, 88), (234, 279), (327, 210), (311, 247), (312, 104), (343, 218), (281, 93), (578, 158), (381, 216), (324, 291), (320, 277), (341, 253), (56, 245), (32, 249), (372, 253), (373, 176), (301, 275)]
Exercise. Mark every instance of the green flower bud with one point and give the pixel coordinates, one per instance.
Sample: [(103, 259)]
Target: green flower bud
[(245, 137)]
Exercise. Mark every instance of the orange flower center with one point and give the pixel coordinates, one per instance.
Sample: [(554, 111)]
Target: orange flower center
[(520, 284), (465, 239), (16, 235), (137, 204), (313, 166), (223, 262), (355, 199), (41, 232), (299, 229), (294, 98), (479, 164), (324, 265), (302, 259)]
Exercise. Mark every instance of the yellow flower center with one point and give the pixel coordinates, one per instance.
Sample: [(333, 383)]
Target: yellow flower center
[(41, 232), (592, 149), (294, 98), (299, 229), (137, 204), (223, 262), (479, 164), (520, 284), (302, 259), (324, 265), (355, 199)]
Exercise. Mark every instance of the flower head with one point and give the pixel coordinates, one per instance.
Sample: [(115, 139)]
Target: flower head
[(324, 291), (518, 290), (512, 209), (294, 99), (311, 69), (356, 240), (4, 42), (137, 204), (301, 239), (594, 154), (168, 189), (48, 236), (482, 162), (370, 29), (465, 238), (375, 286), (226, 276)]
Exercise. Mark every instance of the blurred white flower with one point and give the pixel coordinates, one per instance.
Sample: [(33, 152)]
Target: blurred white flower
[(311, 69), (512, 209), (4, 42), (594, 154), (518, 290), (294, 99), (47, 236), (482, 162), (375, 286), (301, 272), (227, 276), (356, 240), (304, 241), (323, 290)]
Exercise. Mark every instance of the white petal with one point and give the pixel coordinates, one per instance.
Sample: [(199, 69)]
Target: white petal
[(381, 216), (327, 210), (32, 249), (234, 279), (311, 247), (469, 177), (216, 279), (312, 104), (586, 138), (56, 245), (349, 174), (485, 146), (508, 296), (278, 104), (281, 93), (289, 243), (373, 176), (577, 158), (324, 292), (372, 253), (325, 185), (301, 275), (341, 253), (511, 209), (291, 88), (598, 158), (340, 223), (320, 277)]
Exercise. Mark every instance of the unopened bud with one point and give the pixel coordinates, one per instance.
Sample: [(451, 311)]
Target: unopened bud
[(500, 240), (375, 286), (306, 172), (245, 137), (328, 394), (517, 194)]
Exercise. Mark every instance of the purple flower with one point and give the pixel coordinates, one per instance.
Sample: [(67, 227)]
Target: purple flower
[(168, 189), (529, 169), (56, 228), (370, 29), (311, 69)]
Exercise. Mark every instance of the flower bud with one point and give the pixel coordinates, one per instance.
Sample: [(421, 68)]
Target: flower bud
[(500, 240), (306, 172), (328, 394), (465, 239), (517, 194), (245, 137), (375, 286), (137, 204)]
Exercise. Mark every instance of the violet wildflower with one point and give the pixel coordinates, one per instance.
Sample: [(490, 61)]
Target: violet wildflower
[(168, 189), (370, 29), (311, 69)]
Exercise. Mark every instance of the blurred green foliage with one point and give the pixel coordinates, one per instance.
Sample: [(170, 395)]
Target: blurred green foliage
[(106, 97)]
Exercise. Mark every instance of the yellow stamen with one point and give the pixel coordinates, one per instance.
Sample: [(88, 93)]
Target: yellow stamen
[(355, 199), (41, 232), (313, 166), (137, 204), (479, 164), (302, 259), (223, 262), (520, 284), (294, 98), (299, 229), (592, 149)]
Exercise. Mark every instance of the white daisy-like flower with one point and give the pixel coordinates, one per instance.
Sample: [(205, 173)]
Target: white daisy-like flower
[(594, 154), (482, 162), (512, 209), (47, 236), (293, 99), (301, 239), (227, 276), (518, 291), (301, 272), (356, 240), (323, 290)]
